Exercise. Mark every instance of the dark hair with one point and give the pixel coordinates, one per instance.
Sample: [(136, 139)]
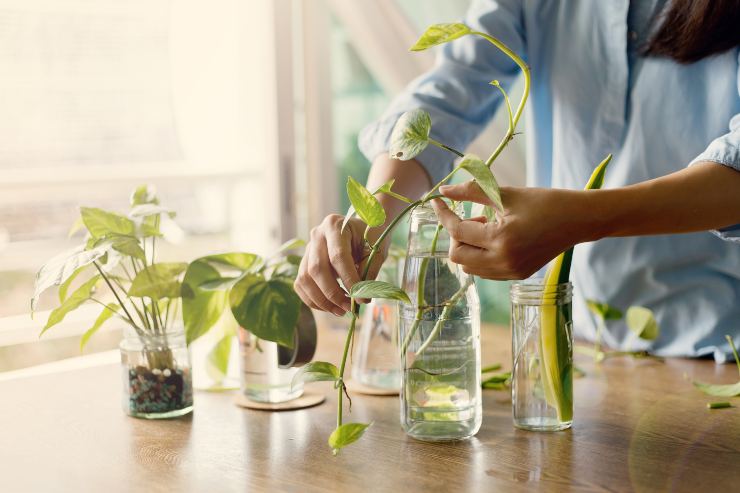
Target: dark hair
[(694, 29)]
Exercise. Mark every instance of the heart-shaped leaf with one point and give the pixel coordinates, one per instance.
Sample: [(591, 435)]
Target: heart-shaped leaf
[(76, 299), (158, 281), (410, 135), (378, 289), (108, 311), (641, 321), (268, 309), (366, 205), (439, 34), (201, 308), (316, 371), (603, 310), (484, 177), (346, 434), (102, 223)]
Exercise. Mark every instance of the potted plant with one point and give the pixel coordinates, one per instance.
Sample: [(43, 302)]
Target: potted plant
[(276, 331), (115, 268)]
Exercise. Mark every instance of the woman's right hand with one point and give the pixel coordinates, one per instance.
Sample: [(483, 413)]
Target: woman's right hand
[(330, 255)]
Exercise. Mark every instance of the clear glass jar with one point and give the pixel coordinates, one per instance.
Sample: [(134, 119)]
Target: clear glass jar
[(542, 351), (264, 379), (376, 364), (440, 338), (157, 378)]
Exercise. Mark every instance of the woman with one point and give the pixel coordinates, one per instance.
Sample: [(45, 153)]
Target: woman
[(655, 83)]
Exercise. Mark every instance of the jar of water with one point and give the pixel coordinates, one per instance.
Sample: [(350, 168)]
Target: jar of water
[(439, 333), (542, 351)]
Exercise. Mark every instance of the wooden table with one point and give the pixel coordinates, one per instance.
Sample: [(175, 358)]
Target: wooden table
[(639, 426)]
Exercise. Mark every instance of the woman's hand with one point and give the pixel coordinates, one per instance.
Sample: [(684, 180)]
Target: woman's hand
[(332, 254), (536, 225)]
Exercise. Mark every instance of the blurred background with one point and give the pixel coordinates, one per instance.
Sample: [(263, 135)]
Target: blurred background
[(243, 114)]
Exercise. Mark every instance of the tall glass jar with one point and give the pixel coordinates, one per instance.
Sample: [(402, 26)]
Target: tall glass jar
[(439, 334), (157, 381), (542, 351)]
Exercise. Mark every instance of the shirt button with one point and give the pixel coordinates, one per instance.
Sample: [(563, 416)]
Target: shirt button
[(633, 35)]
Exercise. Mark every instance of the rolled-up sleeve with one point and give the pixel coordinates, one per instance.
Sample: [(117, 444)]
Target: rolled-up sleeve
[(725, 150), (456, 92)]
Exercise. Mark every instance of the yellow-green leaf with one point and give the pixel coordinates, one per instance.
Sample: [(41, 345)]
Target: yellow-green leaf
[(439, 34), (410, 135), (316, 371), (158, 281), (641, 321), (378, 289), (201, 308), (346, 434), (102, 223), (108, 311), (603, 310), (484, 177), (366, 205), (718, 390), (76, 299)]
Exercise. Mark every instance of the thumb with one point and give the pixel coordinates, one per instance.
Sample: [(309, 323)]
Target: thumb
[(468, 191)]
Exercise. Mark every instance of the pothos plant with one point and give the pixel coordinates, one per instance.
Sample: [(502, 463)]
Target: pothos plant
[(115, 267), (409, 138)]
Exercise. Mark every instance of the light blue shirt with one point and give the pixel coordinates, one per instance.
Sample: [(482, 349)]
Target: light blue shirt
[(592, 94)]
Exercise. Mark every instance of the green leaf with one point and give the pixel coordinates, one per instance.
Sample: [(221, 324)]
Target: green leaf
[(268, 309), (218, 356), (127, 245), (439, 34), (144, 194), (378, 289), (484, 177), (158, 281), (410, 135), (145, 210), (316, 371), (78, 225), (603, 310), (386, 189), (219, 284), (109, 310), (367, 206), (238, 260), (76, 299), (346, 434), (718, 390), (64, 287), (201, 308), (641, 321), (60, 268), (102, 223), (291, 245)]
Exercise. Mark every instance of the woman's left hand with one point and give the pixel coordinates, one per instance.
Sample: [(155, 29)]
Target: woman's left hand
[(536, 225)]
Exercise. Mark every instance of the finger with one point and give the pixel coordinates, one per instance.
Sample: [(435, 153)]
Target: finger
[(468, 191), (467, 255), (312, 291), (339, 250), (304, 297), (321, 271), (470, 232)]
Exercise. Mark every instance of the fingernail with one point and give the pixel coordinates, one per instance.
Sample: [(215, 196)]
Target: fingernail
[(443, 188), (338, 312)]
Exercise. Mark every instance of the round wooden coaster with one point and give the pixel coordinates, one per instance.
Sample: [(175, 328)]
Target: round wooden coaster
[(361, 388), (308, 399)]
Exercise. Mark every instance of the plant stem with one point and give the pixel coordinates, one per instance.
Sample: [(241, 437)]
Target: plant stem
[(734, 352), (347, 342), (125, 319), (445, 315), (446, 148), (110, 286)]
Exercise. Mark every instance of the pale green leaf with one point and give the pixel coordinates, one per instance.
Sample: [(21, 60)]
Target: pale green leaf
[(102, 223), (386, 189), (439, 34), (603, 310), (291, 245), (78, 225), (641, 321), (366, 204), (719, 390), (410, 135), (268, 309), (144, 194), (77, 298), (218, 357), (158, 281), (201, 308), (64, 287), (316, 371), (127, 245), (145, 210), (237, 260), (484, 177), (378, 289), (108, 311), (346, 435)]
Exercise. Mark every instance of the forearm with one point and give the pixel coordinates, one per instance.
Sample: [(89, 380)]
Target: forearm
[(703, 197), (411, 180)]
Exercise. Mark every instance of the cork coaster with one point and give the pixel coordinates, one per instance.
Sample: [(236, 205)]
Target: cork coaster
[(308, 399), (361, 388)]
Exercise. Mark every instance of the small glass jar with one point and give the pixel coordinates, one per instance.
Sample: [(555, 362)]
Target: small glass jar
[(439, 333), (157, 378), (264, 379), (377, 364), (542, 352)]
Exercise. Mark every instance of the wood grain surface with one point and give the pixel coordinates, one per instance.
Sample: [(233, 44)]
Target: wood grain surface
[(639, 426)]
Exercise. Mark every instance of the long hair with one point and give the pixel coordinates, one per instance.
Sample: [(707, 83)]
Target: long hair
[(694, 29)]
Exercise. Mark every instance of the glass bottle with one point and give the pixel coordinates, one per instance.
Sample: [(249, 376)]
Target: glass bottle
[(157, 378), (542, 352), (440, 338)]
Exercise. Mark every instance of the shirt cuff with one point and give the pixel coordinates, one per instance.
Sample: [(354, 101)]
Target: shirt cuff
[(375, 139)]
